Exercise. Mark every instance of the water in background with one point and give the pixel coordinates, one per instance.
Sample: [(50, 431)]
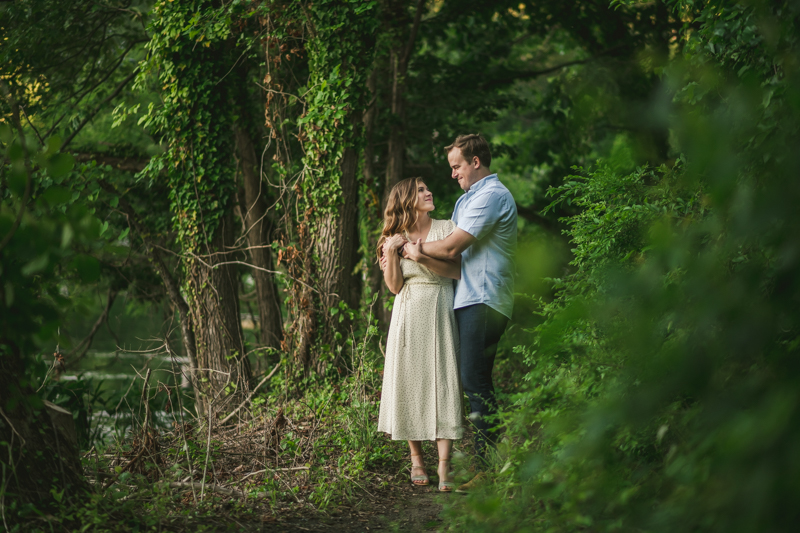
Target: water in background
[(108, 381)]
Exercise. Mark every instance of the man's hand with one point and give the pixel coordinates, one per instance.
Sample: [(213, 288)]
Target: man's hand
[(413, 250)]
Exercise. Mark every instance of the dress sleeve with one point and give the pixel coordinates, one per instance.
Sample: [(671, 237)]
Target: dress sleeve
[(448, 227)]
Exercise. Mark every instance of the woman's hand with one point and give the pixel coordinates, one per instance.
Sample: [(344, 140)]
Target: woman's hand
[(392, 244), (413, 250), (390, 263)]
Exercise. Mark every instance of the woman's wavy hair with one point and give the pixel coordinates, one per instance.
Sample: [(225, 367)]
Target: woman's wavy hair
[(401, 210)]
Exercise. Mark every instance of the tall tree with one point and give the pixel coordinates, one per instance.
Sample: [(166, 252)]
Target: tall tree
[(339, 50), (190, 53)]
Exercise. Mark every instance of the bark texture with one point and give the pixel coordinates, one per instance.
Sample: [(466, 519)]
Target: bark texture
[(222, 368), (35, 456), (374, 202), (336, 248), (400, 56), (258, 227)]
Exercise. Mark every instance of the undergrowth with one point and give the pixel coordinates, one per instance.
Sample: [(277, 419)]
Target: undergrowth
[(314, 450)]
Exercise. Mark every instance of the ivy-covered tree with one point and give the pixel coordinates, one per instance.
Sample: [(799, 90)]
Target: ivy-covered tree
[(339, 48), (190, 55)]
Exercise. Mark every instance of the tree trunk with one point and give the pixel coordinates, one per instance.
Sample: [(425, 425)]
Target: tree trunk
[(222, 366), (400, 57), (337, 242), (331, 265), (258, 227), (35, 456), (327, 239), (395, 156), (374, 203)]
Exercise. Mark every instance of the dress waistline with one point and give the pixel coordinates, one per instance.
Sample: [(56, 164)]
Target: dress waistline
[(444, 282)]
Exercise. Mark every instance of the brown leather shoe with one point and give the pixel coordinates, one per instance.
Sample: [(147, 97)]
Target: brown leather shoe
[(479, 479)]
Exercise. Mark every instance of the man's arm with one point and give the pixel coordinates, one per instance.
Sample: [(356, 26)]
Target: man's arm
[(443, 267), (448, 249)]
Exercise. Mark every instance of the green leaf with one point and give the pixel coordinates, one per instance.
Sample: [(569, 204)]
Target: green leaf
[(57, 195), (67, 233), (37, 265), (60, 164), (88, 267), (6, 134), (9, 290), (53, 144)]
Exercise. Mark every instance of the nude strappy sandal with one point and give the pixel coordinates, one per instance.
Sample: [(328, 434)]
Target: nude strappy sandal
[(423, 479), (446, 486)]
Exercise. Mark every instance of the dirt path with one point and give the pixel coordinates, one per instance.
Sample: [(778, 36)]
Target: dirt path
[(399, 508)]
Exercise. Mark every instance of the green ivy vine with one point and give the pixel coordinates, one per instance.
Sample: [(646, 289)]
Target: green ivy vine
[(188, 57), (340, 57)]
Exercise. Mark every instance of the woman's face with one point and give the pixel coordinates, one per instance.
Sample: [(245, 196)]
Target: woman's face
[(424, 199)]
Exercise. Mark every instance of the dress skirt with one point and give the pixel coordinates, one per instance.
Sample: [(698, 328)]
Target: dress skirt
[(421, 397)]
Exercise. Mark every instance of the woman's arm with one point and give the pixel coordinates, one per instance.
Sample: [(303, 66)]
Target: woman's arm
[(444, 267), (392, 274)]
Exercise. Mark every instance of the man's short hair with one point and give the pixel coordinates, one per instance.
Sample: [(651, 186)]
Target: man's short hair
[(472, 145)]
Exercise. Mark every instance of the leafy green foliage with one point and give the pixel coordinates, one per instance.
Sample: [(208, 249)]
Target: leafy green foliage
[(195, 118), (52, 240), (662, 382), (339, 59)]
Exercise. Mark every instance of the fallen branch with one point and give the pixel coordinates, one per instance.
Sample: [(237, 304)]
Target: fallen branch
[(275, 470), (213, 488)]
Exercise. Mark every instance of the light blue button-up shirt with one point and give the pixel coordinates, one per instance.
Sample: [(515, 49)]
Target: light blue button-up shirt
[(488, 213)]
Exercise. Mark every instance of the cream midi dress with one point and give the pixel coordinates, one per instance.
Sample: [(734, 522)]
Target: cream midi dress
[(421, 397)]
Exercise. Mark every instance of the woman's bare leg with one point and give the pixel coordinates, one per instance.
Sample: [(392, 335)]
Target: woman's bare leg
[(417, 463), (444, 459)]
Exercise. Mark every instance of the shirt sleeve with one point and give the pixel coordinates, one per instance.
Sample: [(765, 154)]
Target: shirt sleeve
[(480, 216)]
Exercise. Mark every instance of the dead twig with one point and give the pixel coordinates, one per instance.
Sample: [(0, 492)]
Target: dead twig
[(249, 396)]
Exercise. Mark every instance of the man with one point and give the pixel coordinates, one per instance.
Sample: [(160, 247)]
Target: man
[(486, 238)]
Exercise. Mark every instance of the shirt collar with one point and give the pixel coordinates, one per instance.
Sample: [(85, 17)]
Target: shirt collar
[(482, 182)]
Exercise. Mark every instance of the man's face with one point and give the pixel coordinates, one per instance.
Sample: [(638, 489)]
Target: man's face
[(464, 171)]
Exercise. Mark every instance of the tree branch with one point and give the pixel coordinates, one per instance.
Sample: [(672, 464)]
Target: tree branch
[(412, 36), (173, 290), (107, 99), (494, 82), (86, 343), (77, 94)]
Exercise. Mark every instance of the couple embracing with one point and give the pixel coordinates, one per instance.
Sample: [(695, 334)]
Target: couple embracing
[(442, 342)]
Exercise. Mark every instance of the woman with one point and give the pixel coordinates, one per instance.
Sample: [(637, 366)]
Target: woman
[(421, 398)]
